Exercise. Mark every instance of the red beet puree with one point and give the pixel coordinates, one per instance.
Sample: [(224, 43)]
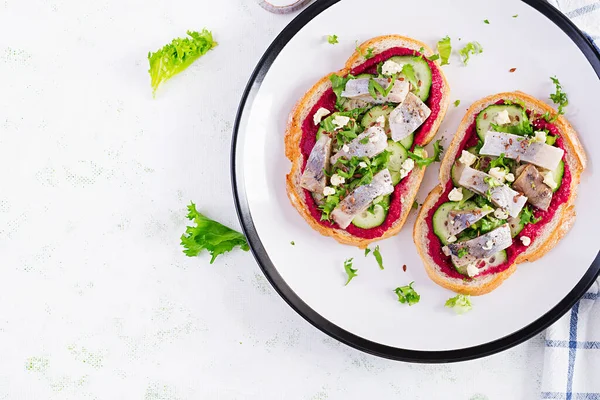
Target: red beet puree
[(327, 100), (531, 230)]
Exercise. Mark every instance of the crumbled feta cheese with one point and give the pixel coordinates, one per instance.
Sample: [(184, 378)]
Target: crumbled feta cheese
[(362, 164), (321, 112), (345, 148), (340, 121), (337, 180), (452, 239), (526, 240), (467, 158), (328, 191), (510, 177), (472, 270), (549, 179), (488, 245), (455, 194), (407, 166), (500, 213), (502, 118), (391, 67), (380, 120), (498, 173), (540, 136)]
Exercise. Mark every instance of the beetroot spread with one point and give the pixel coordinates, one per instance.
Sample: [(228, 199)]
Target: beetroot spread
[(327, 100), (530, 230)]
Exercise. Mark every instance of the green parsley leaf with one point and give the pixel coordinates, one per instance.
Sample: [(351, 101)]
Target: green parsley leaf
[(527, 216), (406, 294), (486, 21), (209, 235), (332, 39), (463, 251), (460, 303), (178, 55), (444, 49), (378, 257), (456, 103), (559, 97), (515, 16), (418, 154), (292, 243), (470, 48), (409, 72), (367, 251), (351, 272)]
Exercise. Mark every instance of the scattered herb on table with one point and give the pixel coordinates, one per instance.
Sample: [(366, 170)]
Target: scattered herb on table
[(456, 103), (469, 49), (515, 16), (292, 243), (332, 39), (378, 257), (460, 303), (444, 49), (406, 294), (209, 235), (367, 251), (351, 272), (486, 21), (178, 55)]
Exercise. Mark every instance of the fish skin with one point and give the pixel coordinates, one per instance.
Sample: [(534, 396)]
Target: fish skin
[(500, 237), (502, 196), (517, 147), (359, 89), (370, 149), (531, 183), (313, 178), (361, 198), (463, 219), (408, 117)]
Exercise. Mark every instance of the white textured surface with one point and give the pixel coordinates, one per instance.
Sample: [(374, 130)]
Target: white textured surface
[(96, 299)]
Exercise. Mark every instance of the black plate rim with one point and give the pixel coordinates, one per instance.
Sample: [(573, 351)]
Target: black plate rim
[(310, 315)]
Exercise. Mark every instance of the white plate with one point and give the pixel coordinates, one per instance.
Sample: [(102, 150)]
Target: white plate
[(310, 275)]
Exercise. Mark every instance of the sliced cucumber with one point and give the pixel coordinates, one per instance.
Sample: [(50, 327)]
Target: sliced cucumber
[(440, 221), (516, 226), (319, 133), (487, 116), (397, 156), (364, 76), (368, 220), (371, 116), (422, 73), (493, 261), (558, 174), (454, 173), (407, 142)]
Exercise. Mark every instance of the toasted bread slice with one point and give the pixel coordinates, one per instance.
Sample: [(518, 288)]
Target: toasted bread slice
[(302, 110), (552, 232)]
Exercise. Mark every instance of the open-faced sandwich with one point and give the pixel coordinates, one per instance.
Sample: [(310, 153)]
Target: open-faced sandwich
[(356, 140), (507, 189)]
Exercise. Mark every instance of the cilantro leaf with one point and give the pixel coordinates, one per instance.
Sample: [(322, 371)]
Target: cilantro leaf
[(378, 257), (444, 49), (460, 303), (178, 55), (332, 39), (367, 251), (559, 97), (456, 103), (418, 154), (463, 251), (351, 272), (527, 216), (209, 235), (470, 48), (406, 294)]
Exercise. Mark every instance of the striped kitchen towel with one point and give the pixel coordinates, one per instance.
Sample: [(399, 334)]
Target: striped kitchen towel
[(572, 354)]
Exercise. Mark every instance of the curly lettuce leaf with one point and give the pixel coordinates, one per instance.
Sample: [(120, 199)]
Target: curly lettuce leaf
[(419, 155), (209, 235), (406, 294), (351, 272), (470, 48), (460, 303), (178, 55), (444, 49)]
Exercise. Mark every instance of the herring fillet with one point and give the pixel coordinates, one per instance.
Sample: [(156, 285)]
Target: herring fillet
[(359, 89), (493, 241), (407, 117), (531, 183), (361, 198), (313, 178), (459, 220), (377, 144), (502, 196), (517, 147)]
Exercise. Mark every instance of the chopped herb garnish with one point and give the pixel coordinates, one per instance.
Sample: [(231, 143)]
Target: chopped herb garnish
[(460, 303), (419, 154), (364, 140), (332, 39), (501, 162), (415, 205), (486, 21), (292, 243), (456, 103), (444, 49), (178, 55), (463, 251), (378, 257), (470, 48), (406, 294), (209, 235), (338, 84), (527, 216), (367, 251), (375, 87), (369, 53), (351, 272), (515, 16), (409, 72), (559, 97)]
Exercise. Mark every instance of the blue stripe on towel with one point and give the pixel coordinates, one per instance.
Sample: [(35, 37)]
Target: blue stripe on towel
[(578, 12), (572, 350)]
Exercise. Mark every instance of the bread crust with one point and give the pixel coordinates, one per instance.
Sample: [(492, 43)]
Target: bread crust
[(293, 137), (551, 234)]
